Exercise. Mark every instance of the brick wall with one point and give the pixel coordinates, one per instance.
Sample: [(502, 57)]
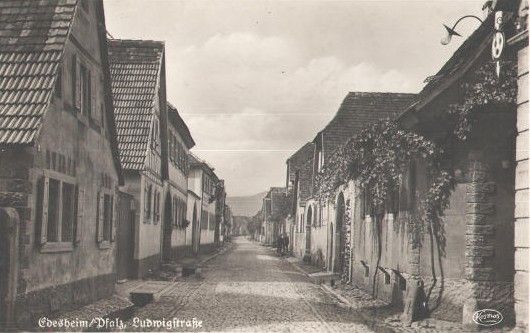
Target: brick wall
[(522, 228)]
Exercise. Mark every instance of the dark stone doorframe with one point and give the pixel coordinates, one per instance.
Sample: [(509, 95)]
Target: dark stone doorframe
[(9, 227)]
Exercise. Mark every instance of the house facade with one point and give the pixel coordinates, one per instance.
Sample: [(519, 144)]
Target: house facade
[(59, 172), (138, 86), (318, 237), (203, 187), (174, 234), (275, 209), (298, 183)]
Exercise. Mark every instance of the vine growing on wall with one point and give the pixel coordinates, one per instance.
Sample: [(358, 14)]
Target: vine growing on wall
[(483, 88), (378, 157)]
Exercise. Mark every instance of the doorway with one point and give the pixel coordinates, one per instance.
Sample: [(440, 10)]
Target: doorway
[(125, 235)]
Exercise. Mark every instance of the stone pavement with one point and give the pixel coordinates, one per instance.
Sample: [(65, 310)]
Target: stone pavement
[(249, 289)]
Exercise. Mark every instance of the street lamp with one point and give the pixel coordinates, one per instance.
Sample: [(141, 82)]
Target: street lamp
[(450, 32)]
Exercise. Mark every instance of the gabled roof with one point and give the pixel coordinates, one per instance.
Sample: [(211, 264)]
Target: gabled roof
[(358, 110), (301, 155), (196, 162), (180, 125), (32, 39), (135, 67)]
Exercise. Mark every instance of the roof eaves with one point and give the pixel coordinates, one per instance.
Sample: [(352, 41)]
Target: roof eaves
[(431, 92)]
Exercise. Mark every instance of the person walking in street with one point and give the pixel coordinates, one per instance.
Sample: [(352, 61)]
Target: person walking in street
[(279, 244), (285, 243)]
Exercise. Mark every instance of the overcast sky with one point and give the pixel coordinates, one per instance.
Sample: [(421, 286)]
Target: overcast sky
[(254, 80)]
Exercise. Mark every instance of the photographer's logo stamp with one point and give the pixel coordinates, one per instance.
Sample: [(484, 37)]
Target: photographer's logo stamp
[(487, 317)]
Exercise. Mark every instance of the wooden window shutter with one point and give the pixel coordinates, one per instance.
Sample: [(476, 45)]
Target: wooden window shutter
[(45, 199), (80, 205), (77, 83), (182, 213), (42, 210), (113, 207), (90, 98), (100, 210), (73, 76), (145, 200)]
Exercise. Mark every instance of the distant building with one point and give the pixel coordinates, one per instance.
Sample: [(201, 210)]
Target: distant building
[(299, 183), (318, 237), (59, 167), (202, 203), (274, 211)]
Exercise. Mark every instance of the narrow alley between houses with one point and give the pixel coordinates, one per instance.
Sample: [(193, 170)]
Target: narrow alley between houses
[(249, 288)]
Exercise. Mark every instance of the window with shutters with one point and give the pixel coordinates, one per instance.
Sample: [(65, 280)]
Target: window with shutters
[(147, 203), (58, 212), (74, 80), (85, 90), (156, 209), (106, 217)]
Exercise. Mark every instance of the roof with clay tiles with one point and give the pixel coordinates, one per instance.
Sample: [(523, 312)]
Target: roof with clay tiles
[(135, 67), (360, 109), (32, 39)]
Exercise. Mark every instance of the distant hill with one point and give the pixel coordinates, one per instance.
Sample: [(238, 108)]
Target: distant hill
[(246, 205)]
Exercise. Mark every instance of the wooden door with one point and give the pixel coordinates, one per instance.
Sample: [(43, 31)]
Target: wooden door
[(125, 235)]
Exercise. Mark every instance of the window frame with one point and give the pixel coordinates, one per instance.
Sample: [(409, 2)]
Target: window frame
[(102, 239), (59, 245), (147, 202), (156, 207)]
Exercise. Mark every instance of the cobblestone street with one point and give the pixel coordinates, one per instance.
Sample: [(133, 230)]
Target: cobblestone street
[(250, 289)]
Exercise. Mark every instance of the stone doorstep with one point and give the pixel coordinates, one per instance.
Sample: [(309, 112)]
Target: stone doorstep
[(324, 278), (149, 291)]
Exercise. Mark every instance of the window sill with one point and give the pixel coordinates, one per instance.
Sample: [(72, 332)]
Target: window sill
[(57, 247), (104, 245)]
